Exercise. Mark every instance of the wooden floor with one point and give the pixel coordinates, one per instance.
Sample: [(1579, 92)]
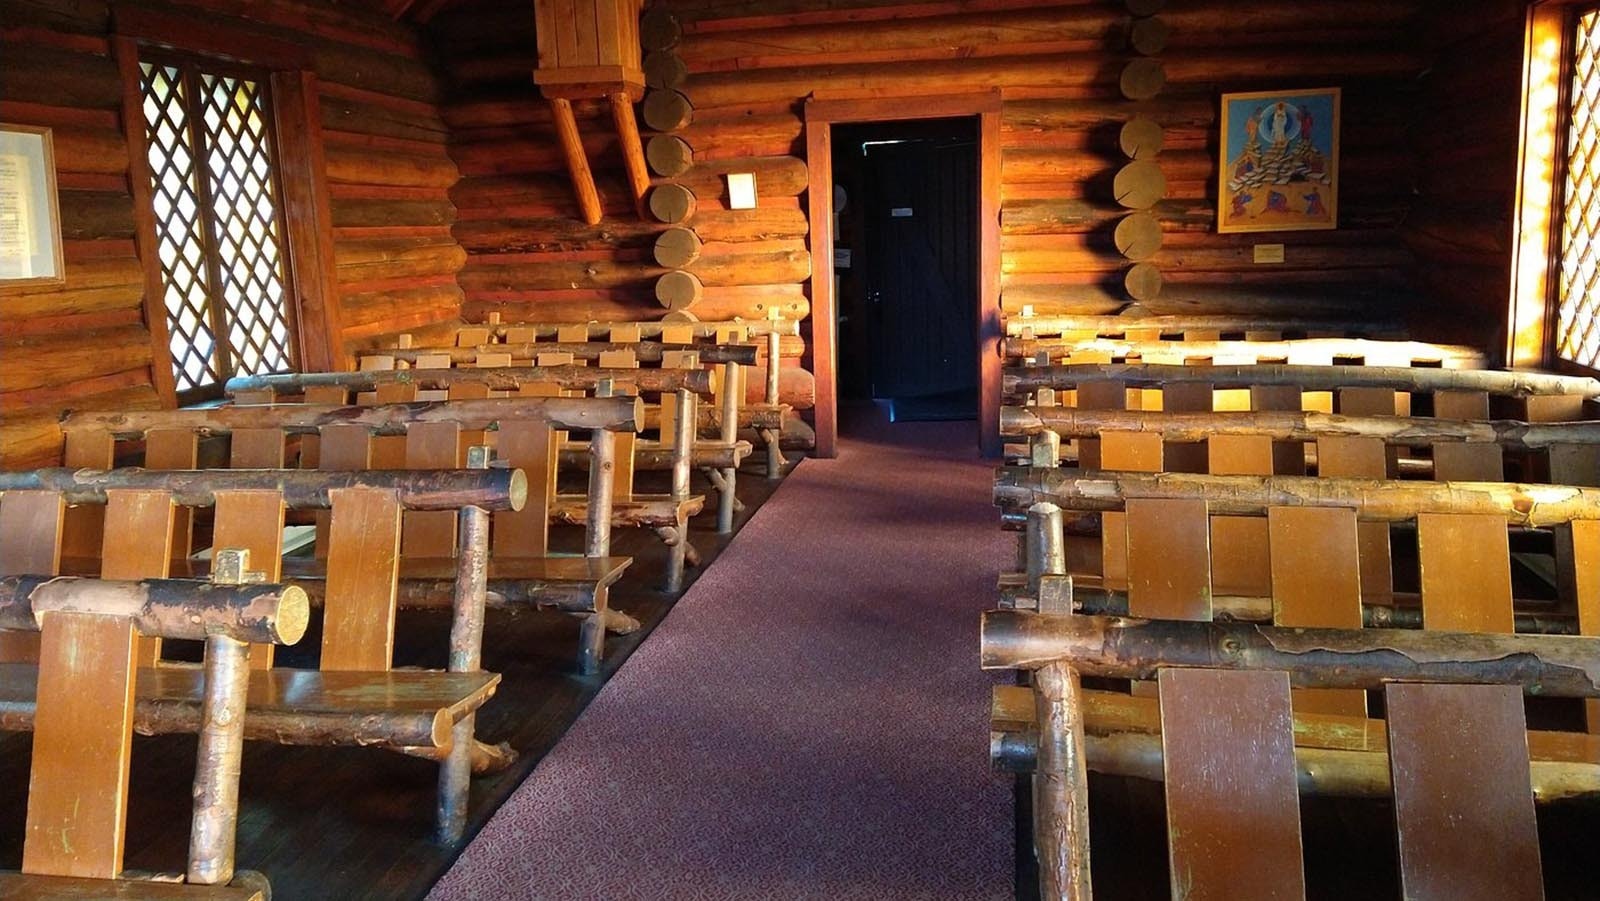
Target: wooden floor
[(352, 823)]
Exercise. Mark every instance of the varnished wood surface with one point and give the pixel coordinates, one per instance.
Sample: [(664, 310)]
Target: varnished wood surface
[(1233, 811), (20, 887), (372, 813), (1463, 802)]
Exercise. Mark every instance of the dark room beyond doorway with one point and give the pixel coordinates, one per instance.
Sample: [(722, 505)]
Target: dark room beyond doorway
[(906, 259)]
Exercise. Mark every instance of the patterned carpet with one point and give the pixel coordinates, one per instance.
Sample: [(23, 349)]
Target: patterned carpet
[(809, 722)]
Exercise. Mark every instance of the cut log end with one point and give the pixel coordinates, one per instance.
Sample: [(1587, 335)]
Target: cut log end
[(1141, 138), (1143, 282), (659, 30), (1138, 236), (672, 203), (1139, 185), (1148, 37), (678, 290), (677, 247), (1143, 79), (667, 110), (670, 156), (664, 70)]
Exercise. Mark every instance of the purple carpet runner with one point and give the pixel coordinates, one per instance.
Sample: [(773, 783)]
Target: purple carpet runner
[(809, 721)]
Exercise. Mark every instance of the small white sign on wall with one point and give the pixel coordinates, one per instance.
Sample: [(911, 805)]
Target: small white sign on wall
[(900, 212), (741, 190)]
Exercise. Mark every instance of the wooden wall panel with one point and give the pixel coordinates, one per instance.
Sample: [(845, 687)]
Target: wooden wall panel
[(752, 63), (84, 344)]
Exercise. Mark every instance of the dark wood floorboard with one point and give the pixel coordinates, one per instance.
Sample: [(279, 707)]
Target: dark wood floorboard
[(351, 823)]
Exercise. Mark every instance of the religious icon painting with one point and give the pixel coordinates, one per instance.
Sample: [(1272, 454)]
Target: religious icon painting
[(1280, 161)]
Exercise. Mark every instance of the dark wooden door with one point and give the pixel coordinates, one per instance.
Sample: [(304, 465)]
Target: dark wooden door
[(922, 267)]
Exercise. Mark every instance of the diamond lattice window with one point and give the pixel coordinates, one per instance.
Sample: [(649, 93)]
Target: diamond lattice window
[(1578, 319), (218, 225)]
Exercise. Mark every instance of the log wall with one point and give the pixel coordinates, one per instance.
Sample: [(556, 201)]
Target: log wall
[(1461, 225), (84, 344), (752, 63)]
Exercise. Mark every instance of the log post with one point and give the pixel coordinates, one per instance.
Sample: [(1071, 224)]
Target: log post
[(1061, 786), (1047, 559), (215, 822), (577, 163), (682, 466), (773, 437), (466, 654), (1044, 448), (602, 478), (731, 396), (632, 149)]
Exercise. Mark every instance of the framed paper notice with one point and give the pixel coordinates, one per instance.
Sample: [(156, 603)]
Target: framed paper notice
[(30, 223)]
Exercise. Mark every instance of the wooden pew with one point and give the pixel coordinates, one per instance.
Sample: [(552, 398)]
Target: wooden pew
[(495, 344), (77, 803), (666, 514), (431, 435), (1296, 351), (1464, 564), (1465, 823), (355, 698)]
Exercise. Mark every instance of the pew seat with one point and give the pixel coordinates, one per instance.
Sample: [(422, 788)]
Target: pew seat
[(28, 887), (396, 709)]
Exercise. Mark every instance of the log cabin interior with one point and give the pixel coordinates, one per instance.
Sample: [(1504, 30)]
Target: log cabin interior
[(631, 448)]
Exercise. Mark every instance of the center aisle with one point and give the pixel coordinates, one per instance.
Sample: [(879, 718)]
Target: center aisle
[(808, 722)]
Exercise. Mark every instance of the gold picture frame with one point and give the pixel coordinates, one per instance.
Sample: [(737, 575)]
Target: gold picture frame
[(30, 215), (1278, 168)]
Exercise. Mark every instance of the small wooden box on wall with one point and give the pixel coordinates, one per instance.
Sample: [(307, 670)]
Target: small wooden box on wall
[(588, 48)]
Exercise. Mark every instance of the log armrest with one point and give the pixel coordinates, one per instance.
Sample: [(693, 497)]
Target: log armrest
[(397, 709), (651, 511), (28, 887)]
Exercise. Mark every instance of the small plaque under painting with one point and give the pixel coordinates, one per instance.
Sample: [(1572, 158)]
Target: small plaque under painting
[(1269, 253)]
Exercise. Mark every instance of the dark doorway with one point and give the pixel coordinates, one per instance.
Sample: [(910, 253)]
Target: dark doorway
[(906, 256)]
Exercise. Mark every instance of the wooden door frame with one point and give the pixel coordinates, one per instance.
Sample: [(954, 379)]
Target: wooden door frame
[(821, 113)]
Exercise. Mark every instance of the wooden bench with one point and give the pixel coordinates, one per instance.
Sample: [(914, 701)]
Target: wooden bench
[(1465, 822), (1300, 351), (424, 435), (1463, 571), (84, 686), (355, 697), (495, 344)]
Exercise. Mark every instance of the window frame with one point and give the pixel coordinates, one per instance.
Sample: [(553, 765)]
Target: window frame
[(1542, 167), (299, 170), (220, 315)]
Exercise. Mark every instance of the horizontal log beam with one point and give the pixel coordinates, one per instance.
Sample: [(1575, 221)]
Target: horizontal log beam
[(1378, 351), (1374, 500), (601, 331), (308, 489), (644, 351), (1325, 772), (1409, 431), (1246, 609), (496, 378), (162, 608), (619, 414), (1118, 325), (1121, 648), (1307, 378)]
